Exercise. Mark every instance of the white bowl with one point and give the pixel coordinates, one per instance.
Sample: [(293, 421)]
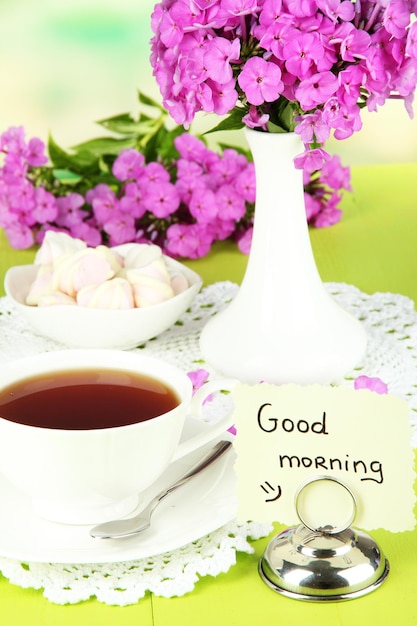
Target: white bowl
[(83, 327)]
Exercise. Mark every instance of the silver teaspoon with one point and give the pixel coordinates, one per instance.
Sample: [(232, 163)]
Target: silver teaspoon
[(137, 524)]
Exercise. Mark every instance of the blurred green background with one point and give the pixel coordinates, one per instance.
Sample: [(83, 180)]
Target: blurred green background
[(65, 64)]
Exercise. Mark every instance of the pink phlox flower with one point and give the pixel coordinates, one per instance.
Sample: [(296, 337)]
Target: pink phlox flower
[(103, 200), (192, 70), (260, 80), (36, 152), (408, 103), (191, 148), (204, 97), (14, 169), (378, 56), (275, 37), (69, 210), (355, 43), (348, 123), (204, 14), (221, 228), (345, 120), (128, 165), (88, 233), (20, 235), (301, 8), (411, 45), (335, 9), (223, 95), (218, 56), (311, 127), (13, 141), (396, 18), (182, 108), (190, 182), (231, 204), (189, 170), (202, 4), (155, 173), (350, 80), (329, 214), (170, 31), (270, 12), (246, 183), (226, 168), (239, 7), (202, 94), (332, 111), (203, 206), (316, 89), (406, 83), (161, 198), (371, 383), (188, 241), (244, 242), (21, 197), (255, 119), (375, 100), (313, 206), (311, 160), (335, 175), (120, 227), (132, 200), (302, 52), (45, 208)]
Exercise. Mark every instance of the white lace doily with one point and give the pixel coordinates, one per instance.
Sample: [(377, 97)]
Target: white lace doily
[(391, 324)]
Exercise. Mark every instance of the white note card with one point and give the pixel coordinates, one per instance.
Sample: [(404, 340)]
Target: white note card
[(289, 434)]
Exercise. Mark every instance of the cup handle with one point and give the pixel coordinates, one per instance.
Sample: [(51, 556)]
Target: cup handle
[(196, 409)]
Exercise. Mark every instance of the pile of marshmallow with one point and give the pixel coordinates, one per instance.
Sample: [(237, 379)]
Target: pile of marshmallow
[(69, 272)]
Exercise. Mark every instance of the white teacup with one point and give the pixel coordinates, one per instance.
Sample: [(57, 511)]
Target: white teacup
[(88, 475)]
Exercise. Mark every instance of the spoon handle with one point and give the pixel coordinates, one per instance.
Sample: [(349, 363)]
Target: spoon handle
[(215, 453), (134, 525)]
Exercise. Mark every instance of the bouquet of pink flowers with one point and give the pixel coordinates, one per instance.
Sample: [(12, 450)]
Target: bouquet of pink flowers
[(285, 65), (146, 183)]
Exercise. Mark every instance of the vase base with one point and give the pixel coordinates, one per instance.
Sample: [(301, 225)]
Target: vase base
[(322, 355)]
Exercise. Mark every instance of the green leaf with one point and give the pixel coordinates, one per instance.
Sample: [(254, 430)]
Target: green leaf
[(240, 149), (66, 177), (151, 148), (275, 128), (232, 122), (148, 101), (84, 160), (287, 117), (167, 150), (81, 162), (58, 156), (106, 145), (125, 125)]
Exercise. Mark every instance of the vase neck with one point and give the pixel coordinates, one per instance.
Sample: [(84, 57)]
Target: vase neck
[(279, 185), (281, 240)]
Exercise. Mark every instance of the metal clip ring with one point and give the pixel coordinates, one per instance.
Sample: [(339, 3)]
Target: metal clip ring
[(328, 529)]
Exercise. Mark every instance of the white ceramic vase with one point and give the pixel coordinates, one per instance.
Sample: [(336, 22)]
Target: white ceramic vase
[(282, 326)]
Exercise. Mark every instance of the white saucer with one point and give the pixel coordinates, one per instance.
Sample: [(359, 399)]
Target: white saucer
[(203, 505)]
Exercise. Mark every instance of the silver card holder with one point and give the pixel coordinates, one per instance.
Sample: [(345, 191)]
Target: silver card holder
[(326, 562)]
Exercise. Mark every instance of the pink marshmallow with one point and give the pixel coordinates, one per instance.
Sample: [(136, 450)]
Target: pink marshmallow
[(115, 293)]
